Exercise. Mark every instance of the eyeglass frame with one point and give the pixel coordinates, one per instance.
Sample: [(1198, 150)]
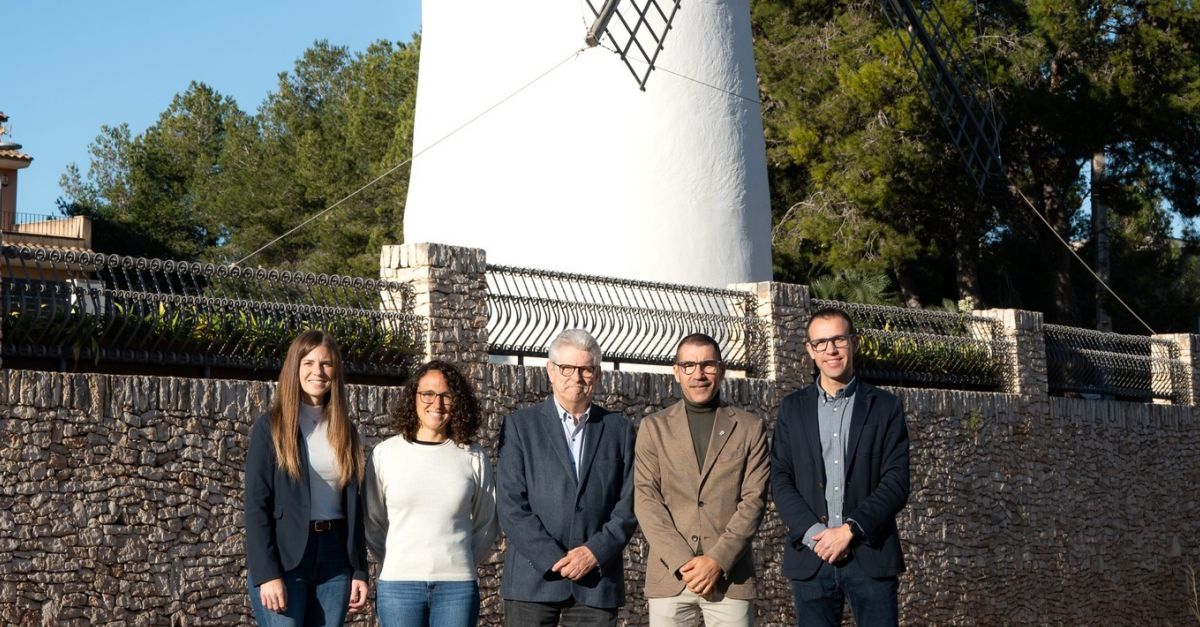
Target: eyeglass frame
[(429, 397), (824, 342), (707, 366), (568, 370)]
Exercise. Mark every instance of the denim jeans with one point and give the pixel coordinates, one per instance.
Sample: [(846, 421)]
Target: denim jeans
[(427, 603), (819, 600), (318, 588)]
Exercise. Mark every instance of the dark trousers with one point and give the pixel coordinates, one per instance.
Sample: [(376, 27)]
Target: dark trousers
[(819, 600), (565, 613)]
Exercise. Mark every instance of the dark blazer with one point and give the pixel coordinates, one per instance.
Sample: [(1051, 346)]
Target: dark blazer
[(876, 478), (277, 512), (545, 512)]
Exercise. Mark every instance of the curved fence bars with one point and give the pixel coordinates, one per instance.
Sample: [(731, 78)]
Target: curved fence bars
[(1124, 367), (84, 306), (929, 349), (634, 321)]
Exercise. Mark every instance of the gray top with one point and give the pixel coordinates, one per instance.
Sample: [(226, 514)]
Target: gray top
[(833, 420), (323, 475)]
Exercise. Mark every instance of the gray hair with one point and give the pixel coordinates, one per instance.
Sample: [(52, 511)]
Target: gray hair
[(576, 338)]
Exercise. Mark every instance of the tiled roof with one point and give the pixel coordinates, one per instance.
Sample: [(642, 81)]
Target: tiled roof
[(15, 154)]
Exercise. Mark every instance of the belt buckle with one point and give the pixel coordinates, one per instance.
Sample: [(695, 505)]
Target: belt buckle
[(321, 526)]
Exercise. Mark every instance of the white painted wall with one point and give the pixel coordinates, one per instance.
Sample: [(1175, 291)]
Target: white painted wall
[(582, 171)]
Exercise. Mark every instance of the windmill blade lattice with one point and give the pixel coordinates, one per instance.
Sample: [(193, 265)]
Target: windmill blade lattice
[(934, 52), (636, 29)]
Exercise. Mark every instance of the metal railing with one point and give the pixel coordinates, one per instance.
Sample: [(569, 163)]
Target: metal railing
[(87, 307), (31, 224), (634, 321), (929, 349), (1125, 367)]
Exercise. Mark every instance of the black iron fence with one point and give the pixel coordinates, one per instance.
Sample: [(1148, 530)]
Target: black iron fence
[(634, 321), (929, 349), (1126, 367), (82, 307)]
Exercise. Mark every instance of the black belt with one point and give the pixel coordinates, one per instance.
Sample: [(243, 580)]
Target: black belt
[(323, 526)]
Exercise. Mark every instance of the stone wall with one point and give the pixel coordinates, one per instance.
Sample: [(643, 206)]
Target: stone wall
[(120, 500)]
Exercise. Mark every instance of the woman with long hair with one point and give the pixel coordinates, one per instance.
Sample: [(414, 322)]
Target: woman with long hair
[(431, 504), (305, 548)]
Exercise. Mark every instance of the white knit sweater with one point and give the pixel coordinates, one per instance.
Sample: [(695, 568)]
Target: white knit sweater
[(430, 509)]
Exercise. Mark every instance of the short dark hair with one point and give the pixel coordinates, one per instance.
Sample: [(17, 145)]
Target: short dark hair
[(830, 312), (698, 339), (464, 408)]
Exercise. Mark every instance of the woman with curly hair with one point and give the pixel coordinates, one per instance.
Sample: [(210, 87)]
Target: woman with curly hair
[(305, 549), (431, 504)]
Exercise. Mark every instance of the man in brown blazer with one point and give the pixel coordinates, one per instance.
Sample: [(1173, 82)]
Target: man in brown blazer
[(700, 484)]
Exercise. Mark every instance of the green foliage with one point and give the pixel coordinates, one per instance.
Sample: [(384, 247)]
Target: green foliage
[(865, 177), (208, 181), (922, 356), (254, 336), (855, 286)]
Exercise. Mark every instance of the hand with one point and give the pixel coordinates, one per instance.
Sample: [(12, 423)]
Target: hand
[(578, 562), (833, 545), (273, 596), (358, 596), (701, 574)]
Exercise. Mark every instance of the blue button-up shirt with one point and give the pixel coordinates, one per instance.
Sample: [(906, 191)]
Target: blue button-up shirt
[(573, 433)]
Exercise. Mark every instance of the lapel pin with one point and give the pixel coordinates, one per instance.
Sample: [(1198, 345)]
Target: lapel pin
[(721, 432)]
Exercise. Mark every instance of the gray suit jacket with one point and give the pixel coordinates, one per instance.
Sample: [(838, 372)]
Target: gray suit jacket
[(545, 512)]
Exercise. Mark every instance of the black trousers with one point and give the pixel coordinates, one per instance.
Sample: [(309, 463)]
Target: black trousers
[(567, 613)]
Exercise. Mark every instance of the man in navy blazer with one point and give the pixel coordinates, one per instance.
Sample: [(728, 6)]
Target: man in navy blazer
[(564, 494), (839, 473)]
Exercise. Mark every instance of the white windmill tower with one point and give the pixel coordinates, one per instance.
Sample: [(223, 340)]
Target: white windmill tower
[(593, 168)]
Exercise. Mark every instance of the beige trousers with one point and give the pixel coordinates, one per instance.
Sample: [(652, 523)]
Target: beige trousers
[(684, 610)]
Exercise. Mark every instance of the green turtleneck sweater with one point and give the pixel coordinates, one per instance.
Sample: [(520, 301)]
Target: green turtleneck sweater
[(700, 423)]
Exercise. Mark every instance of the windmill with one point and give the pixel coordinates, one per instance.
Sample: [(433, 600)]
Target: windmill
[(585, 170)]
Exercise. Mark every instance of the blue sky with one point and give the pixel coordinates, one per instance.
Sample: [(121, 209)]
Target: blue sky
[(74, 65)]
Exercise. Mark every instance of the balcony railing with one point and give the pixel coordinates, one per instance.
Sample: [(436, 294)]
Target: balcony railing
[(929, 349), (83, 307), (1127, 367), (634, 321)]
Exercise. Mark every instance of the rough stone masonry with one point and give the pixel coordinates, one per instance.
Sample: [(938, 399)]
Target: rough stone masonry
[(120, 500)]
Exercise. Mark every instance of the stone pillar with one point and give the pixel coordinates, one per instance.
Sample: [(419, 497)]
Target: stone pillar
[(783, 310), (1028, 360), (1183, 382), (450, 291)]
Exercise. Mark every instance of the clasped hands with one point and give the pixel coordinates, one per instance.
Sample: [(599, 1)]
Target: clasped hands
[(701, 574), (578, 562), (833, 545)]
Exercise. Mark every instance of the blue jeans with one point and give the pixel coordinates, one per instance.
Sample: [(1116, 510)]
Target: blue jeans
[(318, 588), (819, 600), (427, 603)]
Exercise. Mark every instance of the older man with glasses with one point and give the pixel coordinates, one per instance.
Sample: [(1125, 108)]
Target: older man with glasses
[(839, 473), (565, 497), (700, 477)]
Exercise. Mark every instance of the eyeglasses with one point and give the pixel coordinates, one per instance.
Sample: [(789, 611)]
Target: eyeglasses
[(429, 396), (707, 367), (838, 341), (569, 371)]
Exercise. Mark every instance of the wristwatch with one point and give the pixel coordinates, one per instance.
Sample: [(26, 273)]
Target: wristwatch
[(856, 530)]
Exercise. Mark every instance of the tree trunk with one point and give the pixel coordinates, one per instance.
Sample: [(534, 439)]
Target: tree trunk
[(966, 266), (1066, 306), (908, 289), (1100, 241)]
